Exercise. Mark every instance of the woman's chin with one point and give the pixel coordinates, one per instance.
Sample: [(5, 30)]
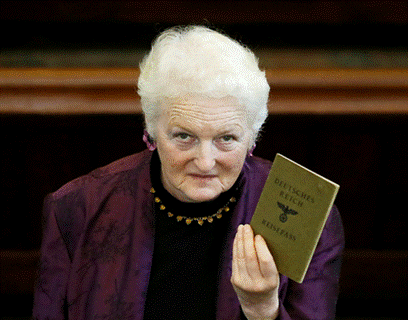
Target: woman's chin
[(200, 195)]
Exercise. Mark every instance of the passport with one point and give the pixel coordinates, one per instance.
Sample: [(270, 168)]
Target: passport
[(291, 213)]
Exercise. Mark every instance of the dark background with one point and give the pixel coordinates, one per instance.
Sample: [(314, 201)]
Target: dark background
[(366, 154)]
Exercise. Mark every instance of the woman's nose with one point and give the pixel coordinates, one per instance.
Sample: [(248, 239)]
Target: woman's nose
[(205, 158)]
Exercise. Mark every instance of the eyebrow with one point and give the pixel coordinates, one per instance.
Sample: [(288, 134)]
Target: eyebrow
[(229, 129)]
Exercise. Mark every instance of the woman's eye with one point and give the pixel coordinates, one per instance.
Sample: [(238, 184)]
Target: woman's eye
[(182, 135), (227, 138)]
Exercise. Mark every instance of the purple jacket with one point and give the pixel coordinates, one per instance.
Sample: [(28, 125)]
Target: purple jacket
[(98, 244)]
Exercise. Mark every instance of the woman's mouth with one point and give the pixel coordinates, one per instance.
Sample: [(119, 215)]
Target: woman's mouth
[(203, 176)]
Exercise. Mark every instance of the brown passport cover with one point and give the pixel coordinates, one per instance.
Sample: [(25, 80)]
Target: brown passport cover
[(291, 213)]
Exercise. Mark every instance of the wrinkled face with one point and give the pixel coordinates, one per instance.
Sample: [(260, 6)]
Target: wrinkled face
[(202, 144)]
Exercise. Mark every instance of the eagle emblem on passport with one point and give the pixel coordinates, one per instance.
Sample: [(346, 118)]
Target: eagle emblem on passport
[(286, 210)]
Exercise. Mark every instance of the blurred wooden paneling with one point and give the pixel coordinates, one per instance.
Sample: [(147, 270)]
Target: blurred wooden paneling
[(72, 78), (297, 91)]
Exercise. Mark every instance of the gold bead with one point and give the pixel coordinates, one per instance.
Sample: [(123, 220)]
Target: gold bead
[(226, 209), (219, 215), (200, 222), (233, 199), (162, 207), (170, 214), (152, 190), (210, 219), (179, 218), (157, 199), (188, 220)]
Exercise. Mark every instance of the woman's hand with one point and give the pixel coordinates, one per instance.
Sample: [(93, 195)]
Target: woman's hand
[(254, 275)]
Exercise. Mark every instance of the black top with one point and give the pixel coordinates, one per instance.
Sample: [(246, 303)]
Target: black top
[(184, 276)]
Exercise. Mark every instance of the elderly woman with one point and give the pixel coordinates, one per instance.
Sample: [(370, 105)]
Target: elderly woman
[(164, 234)]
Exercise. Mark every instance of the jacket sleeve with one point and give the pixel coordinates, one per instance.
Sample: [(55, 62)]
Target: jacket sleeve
[(316, 297), (50, 289)]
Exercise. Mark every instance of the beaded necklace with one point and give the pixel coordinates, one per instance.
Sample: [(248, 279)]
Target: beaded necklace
[(200, 220)]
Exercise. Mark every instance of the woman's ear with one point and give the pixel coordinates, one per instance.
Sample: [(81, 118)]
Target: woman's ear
[(150, 143)]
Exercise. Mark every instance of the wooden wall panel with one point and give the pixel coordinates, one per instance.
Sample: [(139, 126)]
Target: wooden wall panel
[(295, 91)]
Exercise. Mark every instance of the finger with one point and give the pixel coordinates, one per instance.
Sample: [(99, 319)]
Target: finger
[(267, 264), (239, 277), (238, 255), (235, 253), (239, 243), (251, 258)]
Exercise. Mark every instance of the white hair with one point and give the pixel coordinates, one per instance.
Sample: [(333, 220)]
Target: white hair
[(198, 60)]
